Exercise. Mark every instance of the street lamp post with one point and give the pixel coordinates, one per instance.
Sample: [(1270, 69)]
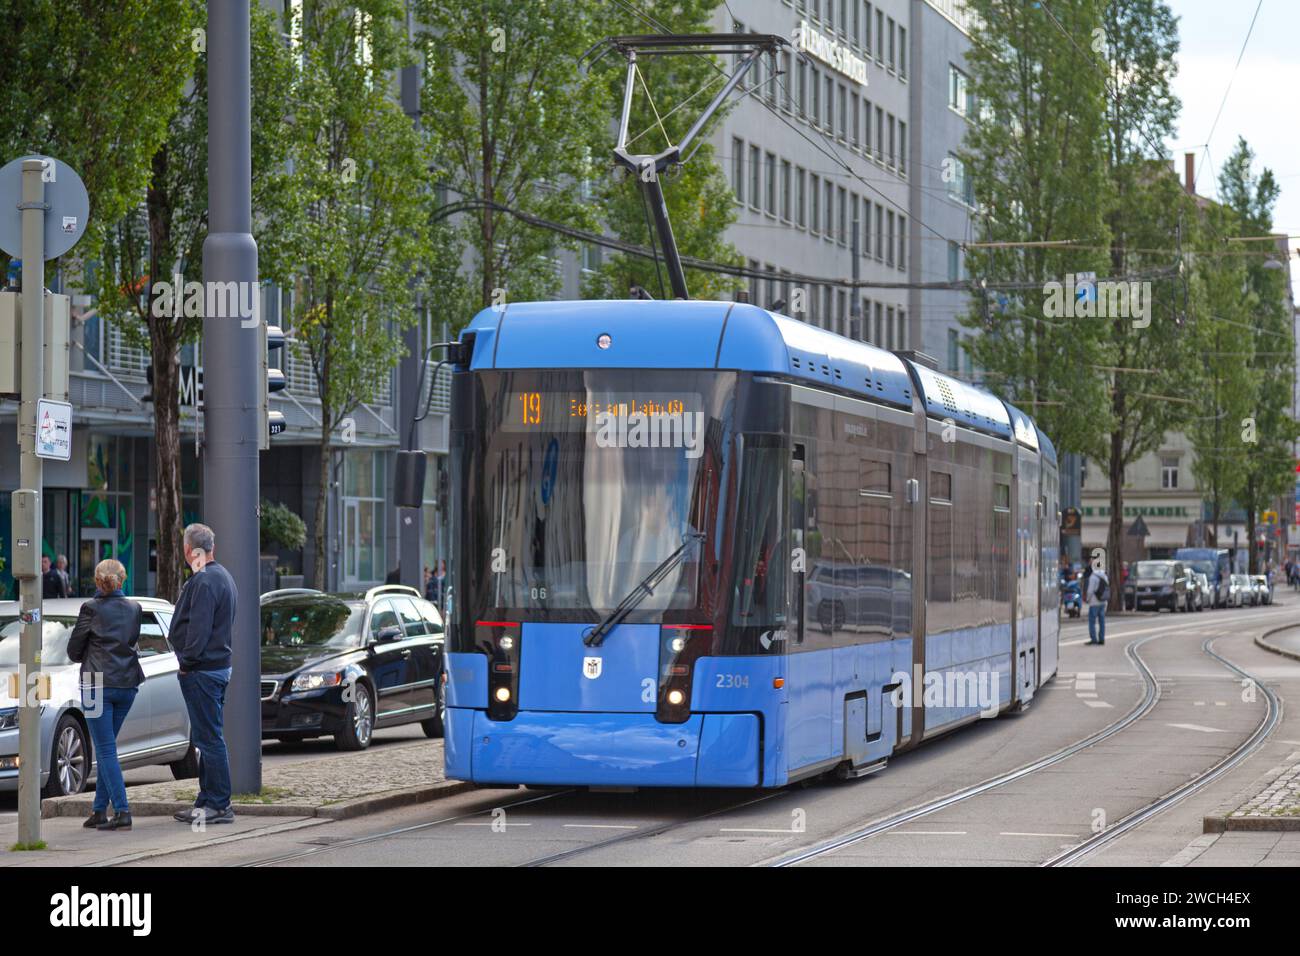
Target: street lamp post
[(231, 390)]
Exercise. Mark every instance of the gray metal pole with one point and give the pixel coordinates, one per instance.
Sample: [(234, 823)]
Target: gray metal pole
[(31, 475), (230, 392)]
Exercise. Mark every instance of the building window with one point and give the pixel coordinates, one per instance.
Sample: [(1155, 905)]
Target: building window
[(814, 85), (892, 62), (842, 233), (785, 83), (960, 187), (866, 133), (954, 261), (365, 489), (902, 52), (771, 184), (815, 217), (889, 238), (830, 104), (952, 351), (800, 84), (880, 35), (841, 298), (830, 209), (857, 123), (799, 199), (893, 153), (866, 227), (590, 257), (828, 300), (902, 243), (755, 177), (1168, 471), (785, 189), (880, 133), (902, 329), (738, 169), (879, 336), (959, 95), (866, 30), (843, 131), (880, 230), (902, 149)]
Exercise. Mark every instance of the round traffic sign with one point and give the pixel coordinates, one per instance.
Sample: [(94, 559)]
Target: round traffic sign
[(65, 195)]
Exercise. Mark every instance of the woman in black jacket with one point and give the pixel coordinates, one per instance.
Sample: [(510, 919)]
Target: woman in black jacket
[(104, 641)]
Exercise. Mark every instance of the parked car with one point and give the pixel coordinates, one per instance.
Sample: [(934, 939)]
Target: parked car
[(1264, 589), (1201, 586), (1241, 593), (1218, 593), (157, 728), (1158, 584), (348, 664)]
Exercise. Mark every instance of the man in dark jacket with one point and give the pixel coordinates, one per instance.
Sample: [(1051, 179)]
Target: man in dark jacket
[(53, 584), (200, 635)]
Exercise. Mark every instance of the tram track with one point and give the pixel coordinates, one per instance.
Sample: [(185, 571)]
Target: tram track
[(1150, 697), (1142, 814)]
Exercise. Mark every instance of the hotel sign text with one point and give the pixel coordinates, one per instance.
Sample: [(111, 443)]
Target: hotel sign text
[(837, 55)]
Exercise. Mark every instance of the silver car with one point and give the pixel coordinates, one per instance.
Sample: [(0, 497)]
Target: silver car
[(156, 731)]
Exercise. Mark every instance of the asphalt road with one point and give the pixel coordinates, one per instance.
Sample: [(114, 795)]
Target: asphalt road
[(1199, 715)]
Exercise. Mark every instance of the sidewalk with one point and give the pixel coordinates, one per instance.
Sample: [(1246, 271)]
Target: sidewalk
[(296, 794), (1270, 803), (1286, 643)]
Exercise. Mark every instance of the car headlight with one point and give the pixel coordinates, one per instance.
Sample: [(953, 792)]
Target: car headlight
[(315, 680), (9, 718)]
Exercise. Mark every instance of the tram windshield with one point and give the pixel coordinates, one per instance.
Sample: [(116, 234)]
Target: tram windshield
[(581, 483)]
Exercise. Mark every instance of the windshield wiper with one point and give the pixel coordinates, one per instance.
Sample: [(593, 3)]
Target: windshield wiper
[(639, 593)]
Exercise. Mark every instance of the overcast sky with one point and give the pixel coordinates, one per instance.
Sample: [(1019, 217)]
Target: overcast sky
[(1262, 103)]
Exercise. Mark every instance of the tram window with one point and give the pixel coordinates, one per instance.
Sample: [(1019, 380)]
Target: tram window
[(875, 477), (940, 486)]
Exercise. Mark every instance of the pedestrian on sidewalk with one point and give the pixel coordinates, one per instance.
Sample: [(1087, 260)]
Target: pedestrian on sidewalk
[(104, 642), (201, 636), (1096, 594)]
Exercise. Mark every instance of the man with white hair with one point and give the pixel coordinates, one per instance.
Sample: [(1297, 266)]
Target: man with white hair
[(201, 636)]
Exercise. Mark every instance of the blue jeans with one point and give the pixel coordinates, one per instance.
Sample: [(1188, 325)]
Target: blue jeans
[(109, 787), (1097, 623), (205, 696)]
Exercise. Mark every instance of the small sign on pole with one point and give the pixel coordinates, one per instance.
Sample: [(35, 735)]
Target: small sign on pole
[(53, 429)]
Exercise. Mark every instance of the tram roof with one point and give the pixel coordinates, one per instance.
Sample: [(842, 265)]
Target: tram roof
[(692, 334), (724, 335)]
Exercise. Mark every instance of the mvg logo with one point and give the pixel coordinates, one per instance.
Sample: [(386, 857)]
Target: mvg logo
[(77, 909), (651, 430)]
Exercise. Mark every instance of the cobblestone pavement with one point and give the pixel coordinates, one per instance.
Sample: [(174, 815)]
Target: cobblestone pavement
[(317, 781), (1278, 798)]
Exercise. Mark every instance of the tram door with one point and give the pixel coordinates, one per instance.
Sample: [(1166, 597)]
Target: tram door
[(1029, 530)]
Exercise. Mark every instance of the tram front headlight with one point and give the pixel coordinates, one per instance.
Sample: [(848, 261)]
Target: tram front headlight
[(680, 645), (500, 641)]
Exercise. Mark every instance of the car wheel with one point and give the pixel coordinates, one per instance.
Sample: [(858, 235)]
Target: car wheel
[(187, 768), (433, 727), (69, 759), (358, 721)]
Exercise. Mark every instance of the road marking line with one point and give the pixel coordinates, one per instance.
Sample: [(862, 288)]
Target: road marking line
[(1086, 694), (1097, 703), (598, 826), (1068, 836), (1199, 703), (756, 830), (1204, 730), (1220, 703), (925, 832), (494, 823)]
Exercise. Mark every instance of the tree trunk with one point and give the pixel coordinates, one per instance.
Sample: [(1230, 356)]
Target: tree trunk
[(167, 458), (1253, 564), (322, 503), (1115, 533)]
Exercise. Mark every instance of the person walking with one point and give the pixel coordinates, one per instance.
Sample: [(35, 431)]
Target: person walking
[(438, 583), (52, 583), (61, 565), (104, 642), (1095, 595), (201, 636)]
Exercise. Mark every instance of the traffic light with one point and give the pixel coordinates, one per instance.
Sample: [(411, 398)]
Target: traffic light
[(273, 380)]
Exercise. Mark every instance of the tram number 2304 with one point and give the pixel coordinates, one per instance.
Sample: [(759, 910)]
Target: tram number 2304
[(732, 680)]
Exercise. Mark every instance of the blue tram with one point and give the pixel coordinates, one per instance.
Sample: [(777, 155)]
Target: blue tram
[(700, 544)]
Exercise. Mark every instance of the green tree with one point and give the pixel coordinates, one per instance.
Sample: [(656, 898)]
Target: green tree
[(1220, 321), (699, 198), (1269, 430), (1149, 361), (93, 84), (518, 122), (162, 239), (1031, 153), (362, 245)]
